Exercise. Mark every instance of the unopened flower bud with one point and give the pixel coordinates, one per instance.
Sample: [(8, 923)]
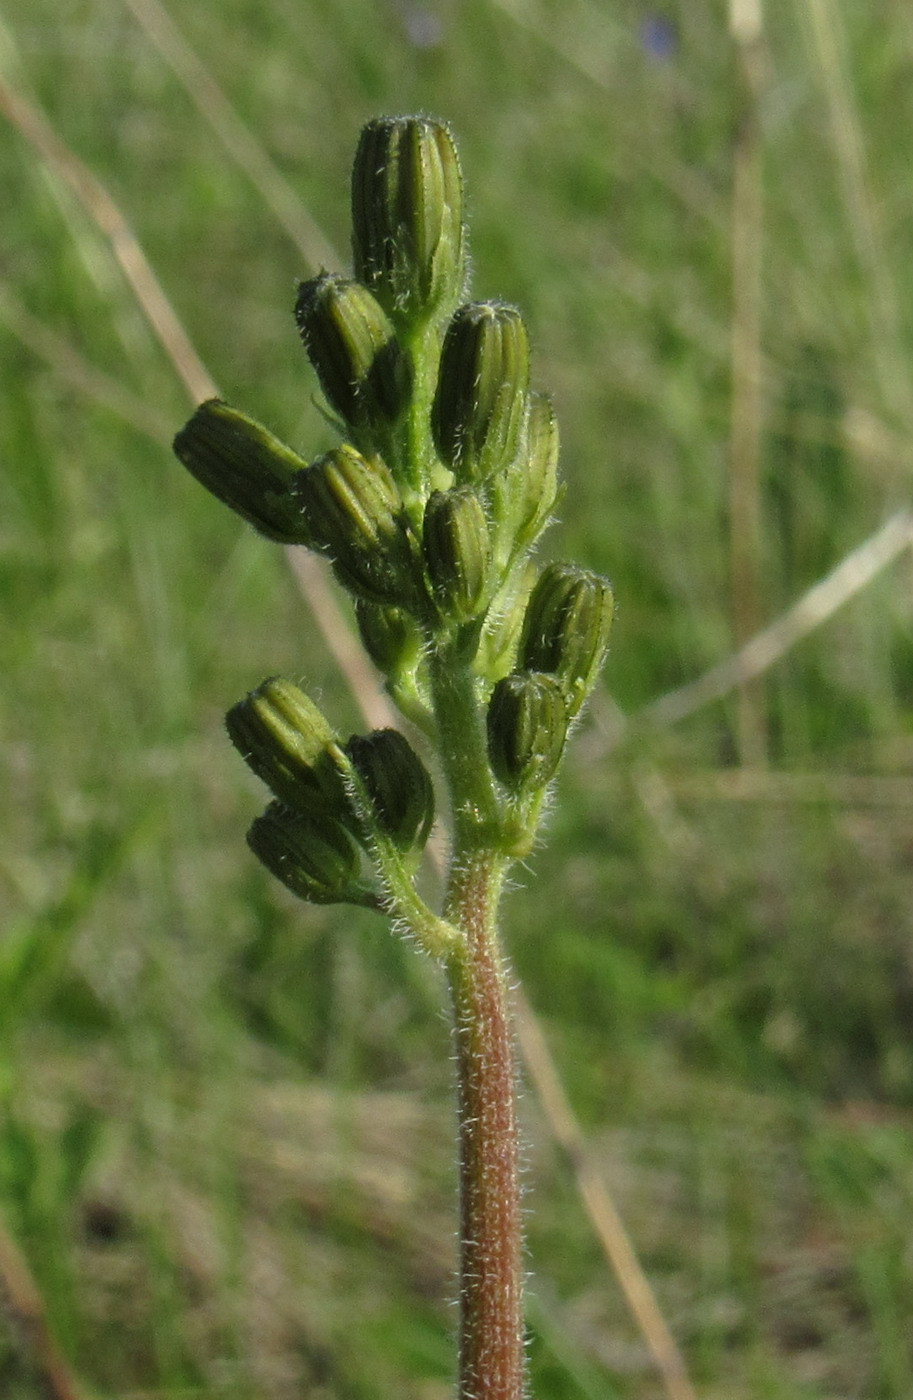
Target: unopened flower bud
[(354, 512), (527, 729), (407, 217), (500, 637), (397, 783), (390, 636), (353, 348), (566, 629), (246, 467), (314, 856), (457, 549), (283, 738), (483, 382), (533, 482)]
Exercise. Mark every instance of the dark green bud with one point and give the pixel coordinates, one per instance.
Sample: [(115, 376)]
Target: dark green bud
[(527, 729), (355, 514), (407, 217), (483, 381), (390, 636), (566, 629), (353, 348), (245, 467), (314, 856), (457, 549), (283, 738), (397, 784)]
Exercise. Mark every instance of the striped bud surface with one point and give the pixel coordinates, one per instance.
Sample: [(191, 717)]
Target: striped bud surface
[(407, 217), (456, 544), (246, 467), (352, 346), (534, 481), (483, 382), (354, 511), (283, 738), (566, 629), (397, 783), (500, 637), (527, 729), (313, 856)]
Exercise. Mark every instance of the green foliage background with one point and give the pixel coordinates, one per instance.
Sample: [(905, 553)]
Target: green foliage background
[(225, 1139)]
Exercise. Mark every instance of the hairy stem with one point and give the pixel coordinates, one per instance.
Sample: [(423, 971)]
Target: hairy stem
[(464, 757), (491, 1244)]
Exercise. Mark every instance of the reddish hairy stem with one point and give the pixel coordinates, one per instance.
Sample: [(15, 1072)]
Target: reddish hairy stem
[(491, 1248)]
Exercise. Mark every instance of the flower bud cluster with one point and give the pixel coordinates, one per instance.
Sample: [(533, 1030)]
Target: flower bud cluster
[(445, 476), (564, 637), (332, 801)]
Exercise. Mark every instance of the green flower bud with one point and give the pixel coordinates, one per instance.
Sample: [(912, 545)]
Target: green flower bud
[(353, 348), (483, 381), (397, 783), (355, 514), (529, 490), (527, 729), (245, 467), (283, 738), (497, 651), (457, 548), (390, 636), (312, 855), (407, 217), (566, 629)]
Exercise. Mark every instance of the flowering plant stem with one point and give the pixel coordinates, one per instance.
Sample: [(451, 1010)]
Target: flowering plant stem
[(428, 511), (491, 1245)]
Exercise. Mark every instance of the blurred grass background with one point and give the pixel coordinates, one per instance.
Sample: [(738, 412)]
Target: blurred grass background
[(225, 1124)]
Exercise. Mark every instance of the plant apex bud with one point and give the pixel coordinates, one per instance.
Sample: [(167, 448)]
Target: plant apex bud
[(407, 217)]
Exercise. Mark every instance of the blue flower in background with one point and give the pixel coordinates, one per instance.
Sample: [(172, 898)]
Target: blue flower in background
[(659, 36)]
